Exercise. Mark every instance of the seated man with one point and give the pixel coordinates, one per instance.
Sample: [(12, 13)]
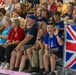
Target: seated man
[(29, 40), (35, 53)]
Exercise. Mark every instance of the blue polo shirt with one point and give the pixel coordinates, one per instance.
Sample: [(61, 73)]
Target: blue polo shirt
[(52, 42)]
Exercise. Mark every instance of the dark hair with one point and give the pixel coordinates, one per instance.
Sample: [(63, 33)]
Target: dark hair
[(60, 1), (71, 3), (3, 11), (55, 13), (23, 6), (46, 12), (50, 23)]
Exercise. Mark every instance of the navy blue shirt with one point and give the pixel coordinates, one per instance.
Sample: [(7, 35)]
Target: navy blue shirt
[(32, 31), (34, 2), (60, 25), (42, 38), (69, 15), (52, 42)]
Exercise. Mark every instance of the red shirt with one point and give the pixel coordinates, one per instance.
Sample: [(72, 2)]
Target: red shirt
[(19, 34), (0, 1), (53, 7)]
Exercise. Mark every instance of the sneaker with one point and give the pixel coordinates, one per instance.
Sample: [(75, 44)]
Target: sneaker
[(7, 66), (2, 65), (41, 71), (15, 69), (45, 73), (51, 73)]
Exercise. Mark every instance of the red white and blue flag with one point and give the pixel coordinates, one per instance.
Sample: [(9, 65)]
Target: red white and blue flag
[(70, 47)]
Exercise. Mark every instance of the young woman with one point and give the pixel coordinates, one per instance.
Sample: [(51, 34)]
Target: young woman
[(53, 49), (59, 24)]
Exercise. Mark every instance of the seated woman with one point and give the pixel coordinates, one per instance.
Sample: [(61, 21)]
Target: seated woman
[(53, 49), (14, 38), (5, 32), (59, 24)]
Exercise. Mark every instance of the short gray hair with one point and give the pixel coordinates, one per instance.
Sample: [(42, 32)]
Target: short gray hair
[(7, 19)]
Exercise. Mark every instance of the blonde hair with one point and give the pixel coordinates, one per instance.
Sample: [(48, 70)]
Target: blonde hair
[(16, 20)]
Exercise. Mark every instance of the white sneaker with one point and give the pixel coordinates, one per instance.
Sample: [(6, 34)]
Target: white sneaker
[(2, 65), (7, 66)]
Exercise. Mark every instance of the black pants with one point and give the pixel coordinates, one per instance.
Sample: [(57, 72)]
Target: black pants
[(6, 52)]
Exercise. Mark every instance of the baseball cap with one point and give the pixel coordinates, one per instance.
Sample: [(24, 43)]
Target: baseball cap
[(43, 19), (33, 17)]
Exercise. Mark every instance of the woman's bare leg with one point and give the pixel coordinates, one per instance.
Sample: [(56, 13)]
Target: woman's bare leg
[(12, 60), (18, 57)]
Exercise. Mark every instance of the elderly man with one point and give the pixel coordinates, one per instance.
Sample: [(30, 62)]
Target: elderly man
[(29, 40)]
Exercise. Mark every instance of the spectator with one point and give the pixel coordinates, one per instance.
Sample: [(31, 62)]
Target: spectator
[(74, 18), (59, 24), (5, 32), (13, 5), (30, 39), (2, 15), (8, 6), (14, 38), (62, 8), (21, 8), (53, 6), (35, 53), (16, 14), (45, 14), (38, 12), (70, 8), (34, 2), (53, 49), (44, 6)]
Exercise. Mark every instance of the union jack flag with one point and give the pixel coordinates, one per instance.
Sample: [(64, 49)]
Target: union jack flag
[(70, 47)]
